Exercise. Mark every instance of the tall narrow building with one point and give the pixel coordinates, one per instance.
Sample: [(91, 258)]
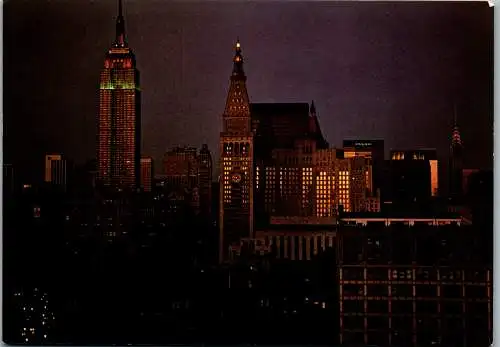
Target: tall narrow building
[(236, 162), (55, 170), (456, 161), (205, 179), (119, 121)]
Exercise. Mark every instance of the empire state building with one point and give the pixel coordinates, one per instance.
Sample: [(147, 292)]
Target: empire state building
[(119, 121)]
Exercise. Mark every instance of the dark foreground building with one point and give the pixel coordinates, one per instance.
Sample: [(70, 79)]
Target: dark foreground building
[(403, 281)]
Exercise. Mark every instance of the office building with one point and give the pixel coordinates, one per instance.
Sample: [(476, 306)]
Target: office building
[(55, 170), (236, 162), (373, 151), (275, 162), (205, 179), (456, 163), (147, 174), (119, 119), (188, 173), (413, 282), (426, 155)]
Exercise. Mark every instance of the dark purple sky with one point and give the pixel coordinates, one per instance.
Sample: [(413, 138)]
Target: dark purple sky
[(375, 70)]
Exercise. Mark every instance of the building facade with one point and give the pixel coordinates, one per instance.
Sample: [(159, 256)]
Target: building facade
[(55, 170), (205, 179), (411, 282), (426, 155), (119, 119), (373, 151), (275, 162), (456, 163), (236, 162), (147, 174), (187, 175)]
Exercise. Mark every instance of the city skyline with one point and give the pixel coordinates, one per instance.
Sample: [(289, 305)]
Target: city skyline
[(356, 97), (347, 200)]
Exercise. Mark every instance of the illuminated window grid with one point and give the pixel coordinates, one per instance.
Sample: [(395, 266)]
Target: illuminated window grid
[(270, 178), (344, 190), (228, 166), (117, 122), (257, 177), (325, 184), (307, 182), (405, 293)]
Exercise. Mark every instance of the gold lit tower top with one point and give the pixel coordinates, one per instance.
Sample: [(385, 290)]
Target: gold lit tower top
[(237, 111), (238, 60)]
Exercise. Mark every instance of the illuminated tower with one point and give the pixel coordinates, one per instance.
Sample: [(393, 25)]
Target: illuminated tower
[(119, 121), (236, 162), (456, 161)]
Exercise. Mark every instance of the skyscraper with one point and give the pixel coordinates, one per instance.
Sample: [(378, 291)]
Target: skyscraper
[(205, 179), (55, 170), (428, 155), (119, 121), (147, 173), (456, 161), (236, 162)]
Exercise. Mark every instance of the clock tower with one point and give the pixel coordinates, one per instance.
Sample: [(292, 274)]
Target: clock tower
[(236, 162)]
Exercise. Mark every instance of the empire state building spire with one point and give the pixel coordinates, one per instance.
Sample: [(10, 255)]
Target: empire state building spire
[(120, 27)]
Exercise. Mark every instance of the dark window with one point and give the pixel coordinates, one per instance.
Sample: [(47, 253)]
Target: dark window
[(378, 322), (353, 322), (402, 290), (352, 273), (477, 309), (377, 290), (378, 306), (452, 307), (476, 292), (426, 291), (353, 338), (378, 338), (451, 291), (426, 307), (353, 306), (377, 274), (353, 289), (402, 307)]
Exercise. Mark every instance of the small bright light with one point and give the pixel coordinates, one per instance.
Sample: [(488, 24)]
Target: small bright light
[(26, 339), (238, 45), (45, 336)]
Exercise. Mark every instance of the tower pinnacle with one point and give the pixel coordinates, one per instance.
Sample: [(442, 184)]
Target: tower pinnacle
[(120, 27), (456, 139), (238, 59)]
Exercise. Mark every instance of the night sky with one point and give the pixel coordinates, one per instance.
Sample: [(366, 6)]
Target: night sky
[(374, 70)]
